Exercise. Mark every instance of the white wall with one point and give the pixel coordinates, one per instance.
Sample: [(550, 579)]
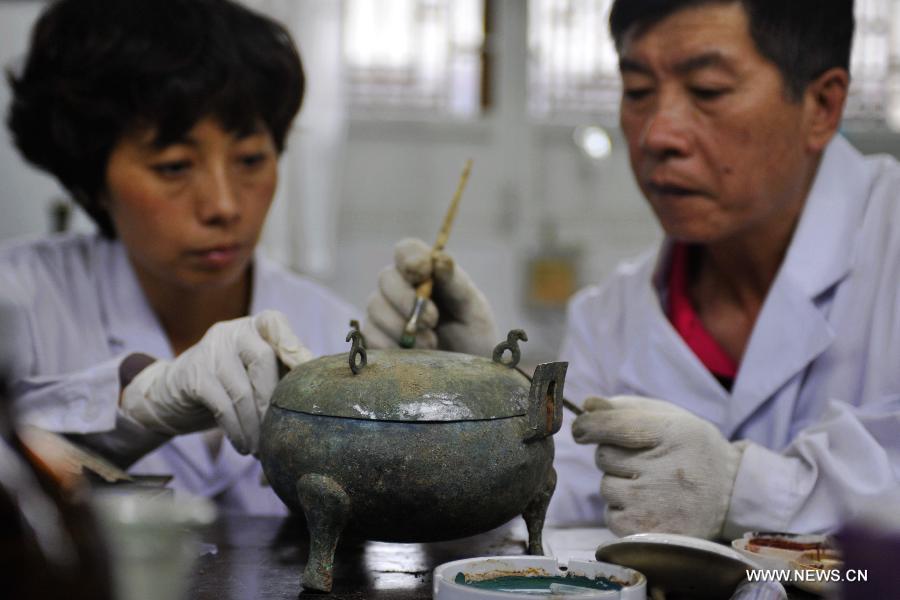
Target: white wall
[(25, 193)]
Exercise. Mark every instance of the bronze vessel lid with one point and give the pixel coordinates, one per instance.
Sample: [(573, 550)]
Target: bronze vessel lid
[(405, 385)]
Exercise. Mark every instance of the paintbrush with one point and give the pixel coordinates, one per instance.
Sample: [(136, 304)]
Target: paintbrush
[(423, 291)]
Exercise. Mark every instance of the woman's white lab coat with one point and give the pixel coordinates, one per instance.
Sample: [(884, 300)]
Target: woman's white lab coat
[(818, 388), (81, 311)]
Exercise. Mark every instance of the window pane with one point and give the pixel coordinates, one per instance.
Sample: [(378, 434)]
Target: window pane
[(573, 64), (415, 54), (870, 61)]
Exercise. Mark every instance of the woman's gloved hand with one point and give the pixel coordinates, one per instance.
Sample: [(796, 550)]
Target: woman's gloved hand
[(665, 469), (227, 378), (458, 318)]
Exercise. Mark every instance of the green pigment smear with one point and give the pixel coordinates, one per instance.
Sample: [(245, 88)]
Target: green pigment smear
[(539, 585)]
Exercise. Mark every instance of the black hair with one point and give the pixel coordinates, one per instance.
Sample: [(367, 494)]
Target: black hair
[(803, 38), (97, 70)]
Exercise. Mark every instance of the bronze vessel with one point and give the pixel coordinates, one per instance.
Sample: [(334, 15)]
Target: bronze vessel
[(412, 446)]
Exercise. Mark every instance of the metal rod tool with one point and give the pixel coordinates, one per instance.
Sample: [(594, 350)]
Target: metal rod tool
[(567, 404)]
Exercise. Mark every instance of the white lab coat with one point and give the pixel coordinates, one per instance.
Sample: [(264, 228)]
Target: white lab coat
[(818, 388), (82, 310)]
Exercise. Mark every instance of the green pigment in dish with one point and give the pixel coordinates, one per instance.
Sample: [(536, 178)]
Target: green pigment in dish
[(538, 585)]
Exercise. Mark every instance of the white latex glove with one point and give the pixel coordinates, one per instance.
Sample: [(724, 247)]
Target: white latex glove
[(458, 318), (665, 469), (227, 378)]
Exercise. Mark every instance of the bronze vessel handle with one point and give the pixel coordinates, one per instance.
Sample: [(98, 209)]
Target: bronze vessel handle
[(511, 344), (545, 400), (358, 358)]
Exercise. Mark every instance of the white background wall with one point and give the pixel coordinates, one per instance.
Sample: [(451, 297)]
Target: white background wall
[(396, 178), (25, 195)]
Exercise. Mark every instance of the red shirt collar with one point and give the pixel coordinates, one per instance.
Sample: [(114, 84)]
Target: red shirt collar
[(687, 322)]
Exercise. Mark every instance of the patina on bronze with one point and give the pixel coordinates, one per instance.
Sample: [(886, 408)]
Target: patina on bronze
[(412, 446)]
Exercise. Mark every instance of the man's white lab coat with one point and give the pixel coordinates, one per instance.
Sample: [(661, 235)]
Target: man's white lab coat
[(81, 310), (818, 388)]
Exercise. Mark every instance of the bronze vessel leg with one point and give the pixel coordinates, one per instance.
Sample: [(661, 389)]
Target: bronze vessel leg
[(536, 511), (327, 507)]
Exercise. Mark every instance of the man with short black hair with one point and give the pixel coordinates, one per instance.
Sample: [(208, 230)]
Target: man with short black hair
[(749, 366)]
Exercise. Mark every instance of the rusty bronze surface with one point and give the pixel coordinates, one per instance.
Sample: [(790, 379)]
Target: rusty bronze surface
[(413, 446)]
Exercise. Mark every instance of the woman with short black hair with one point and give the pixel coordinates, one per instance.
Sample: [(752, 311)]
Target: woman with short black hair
[(165, 120)]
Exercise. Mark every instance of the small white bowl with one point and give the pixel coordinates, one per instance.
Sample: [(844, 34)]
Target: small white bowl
[(446, 588), (769, 557)]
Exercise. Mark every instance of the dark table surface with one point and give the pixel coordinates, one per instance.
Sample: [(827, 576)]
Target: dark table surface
[(263, 557)]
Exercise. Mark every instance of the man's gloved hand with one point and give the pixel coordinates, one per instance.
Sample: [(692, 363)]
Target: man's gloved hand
[(227, 378), (458, 318), (665, 469)]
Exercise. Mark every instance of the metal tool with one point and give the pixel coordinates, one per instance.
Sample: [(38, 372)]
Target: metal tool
[(423, 291)]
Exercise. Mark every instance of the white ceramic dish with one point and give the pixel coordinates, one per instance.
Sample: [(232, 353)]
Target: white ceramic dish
[(682, 565), (445, 587), (676, 541)]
